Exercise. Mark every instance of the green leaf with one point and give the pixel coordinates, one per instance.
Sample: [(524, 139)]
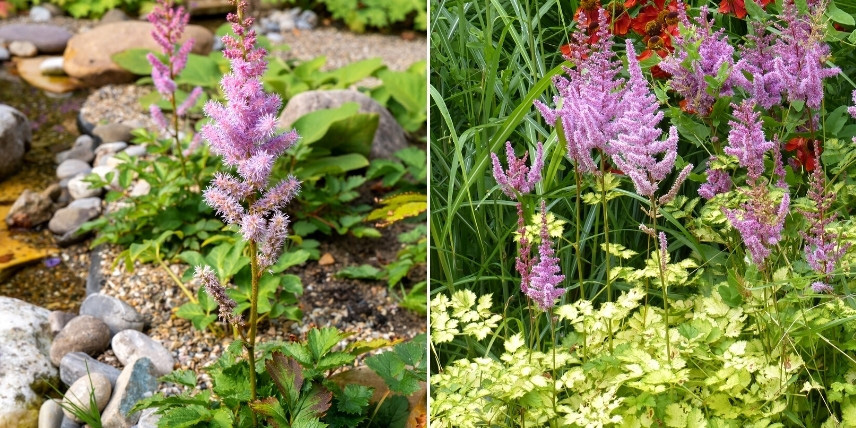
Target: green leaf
[(194, 313), (393, 370), (320, 341), (393, 413), (413, 352), (290, 259), (232, 384), (354, 399), (366, 232), (312, 126), (317, 168), (181, 377), (227, 259), (299, 352), (360, 272), (317, 402), (839, 15), (730, 295), (200, 71), (352, 134), (292, 284), (303, 228), (135, 61), (334, 360), (184, 417), (355, 71), (206, 302), (287, 374), (272, 411)]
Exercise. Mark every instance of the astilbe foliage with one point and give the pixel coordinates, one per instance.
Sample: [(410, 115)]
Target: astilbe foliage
[(589, 99), (801, 53), (822, 252), (714, 54), (243, 132)]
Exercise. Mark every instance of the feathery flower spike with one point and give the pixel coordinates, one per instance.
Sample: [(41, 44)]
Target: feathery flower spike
[(518, 178), (546, 274)]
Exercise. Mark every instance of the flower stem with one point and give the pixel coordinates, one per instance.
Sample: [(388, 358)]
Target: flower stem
[(177, 147), (254, 314), (606, 237)]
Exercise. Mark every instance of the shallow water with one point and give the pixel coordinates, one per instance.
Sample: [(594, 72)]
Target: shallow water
[(23, 271)]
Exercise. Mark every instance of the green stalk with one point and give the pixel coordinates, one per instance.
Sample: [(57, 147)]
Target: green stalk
[(177, 147), (661, 267), (605, 236), (254, 314)]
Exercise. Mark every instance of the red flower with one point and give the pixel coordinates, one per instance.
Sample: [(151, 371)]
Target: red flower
[(588, 8), (738, 7), (804, 156)]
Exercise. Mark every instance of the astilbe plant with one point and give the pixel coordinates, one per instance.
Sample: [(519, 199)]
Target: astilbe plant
[(170, 23), (243, 131)]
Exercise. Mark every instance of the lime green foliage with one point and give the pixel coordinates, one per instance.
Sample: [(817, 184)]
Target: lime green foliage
[(294, 378)]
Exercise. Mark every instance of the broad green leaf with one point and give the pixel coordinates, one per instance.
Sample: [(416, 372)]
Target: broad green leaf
[(839, 15), (290, 259), (184, 417), (355, 71), (331, 165), (194, 313), (287, 374), (360, 272), (313, 126), (352, 134), (135, 61), (200, 71), (334, 360), (292, 284), (272, 411), (320, 341), (181, 377)]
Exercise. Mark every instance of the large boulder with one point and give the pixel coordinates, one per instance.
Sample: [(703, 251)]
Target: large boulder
[(389, 137), (15, 136), (49, 39), (25, 367), (88, 55)]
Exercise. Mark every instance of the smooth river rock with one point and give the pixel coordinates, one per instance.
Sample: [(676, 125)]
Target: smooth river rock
[(75, 365), (25, 368), (23, 49), (88, 55), (80, 189), (70, 218), (71, 167), (47, 38), (15, 137), (117, 314), (84, 333), (30, 210), (128, 345), (50, 415), (137, 381), (112, 132), (79, 394)]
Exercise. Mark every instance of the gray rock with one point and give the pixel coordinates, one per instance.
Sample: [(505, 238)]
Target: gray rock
[(307, 20), (135, 150), (107, 150), (140, 188), (84, 141), (79, 153), (103, 171), (84, 333), (70, 218), (388, 138), (94, 280), (40, 14), (68, 423), (128, 345), (15, 136), (275, 38), (58, 320), (112, 132), (79, 394), (79, 189), (217, 45), (71, 167), (137, 381), (117, 314), (113, 15), (25, 339), (4, 54), (148, 419), (76, 365), (47, 38), (29, 210), (52, 66), (71, 237), (23, 48), (53, 192), (50, 414)]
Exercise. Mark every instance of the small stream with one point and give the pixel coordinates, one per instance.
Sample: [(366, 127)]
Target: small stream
[(48, 279)]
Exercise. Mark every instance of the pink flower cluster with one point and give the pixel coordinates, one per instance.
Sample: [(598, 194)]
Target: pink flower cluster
[(518, 179), (542, 278)]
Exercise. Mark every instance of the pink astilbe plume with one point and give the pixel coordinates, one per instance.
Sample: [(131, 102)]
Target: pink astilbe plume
[(822, 251), (757, 57), (243, 133), (801, 53), (714, 53), (545, 275), (519, 178), (589, 99), (718, 181), (746, 139), (216, 290), (759, 222), (637, 144)]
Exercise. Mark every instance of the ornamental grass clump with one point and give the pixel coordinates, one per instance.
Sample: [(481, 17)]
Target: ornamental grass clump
[(243, 131)]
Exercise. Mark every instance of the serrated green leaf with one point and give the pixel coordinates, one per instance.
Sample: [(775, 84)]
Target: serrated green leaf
[(354, 399), (393, 371), (287, 374), (392, 413), (272, 411), (184, 417), (321, 340), (334, 360), (181, 377)]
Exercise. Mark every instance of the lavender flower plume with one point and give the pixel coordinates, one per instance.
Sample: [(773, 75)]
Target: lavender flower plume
[(852, 109), (546, 274), (757, 57), (822, 252), (746, 139), (718, 181), (518, 179), (636, 146), (759, 222), (801, 53), (244, 133), (212, 285), (714, 54), (589, 99)]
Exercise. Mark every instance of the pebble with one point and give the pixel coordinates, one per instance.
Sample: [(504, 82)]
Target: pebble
[(52, 66), (79, 393), (68, 423), (112, 132), (129, 345), (79, 189), (83, 333), (137, 381), (30, 210), (23, 49), (117, 314), (70, 218), (307, 20), (80, 153), (76, 365), (50, 414), (108, 150), (40, 14), (135, 150), (71, 167), (140, 188), (103, 170), (58, 320), (47, 38)]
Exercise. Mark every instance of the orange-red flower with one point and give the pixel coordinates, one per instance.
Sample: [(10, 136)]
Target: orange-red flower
[(738, 7), (804, 156)]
